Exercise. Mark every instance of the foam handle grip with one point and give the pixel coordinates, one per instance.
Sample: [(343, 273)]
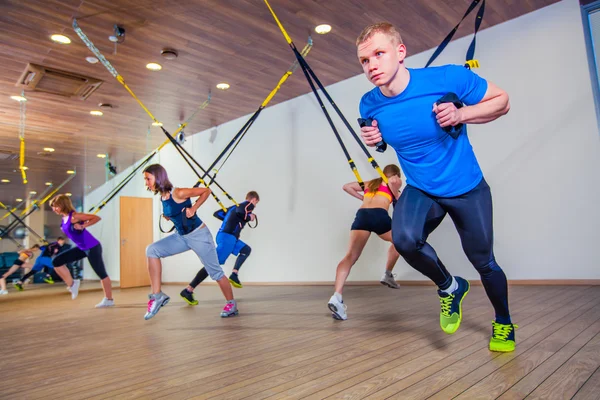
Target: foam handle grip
[(453, 131), (381, 146)]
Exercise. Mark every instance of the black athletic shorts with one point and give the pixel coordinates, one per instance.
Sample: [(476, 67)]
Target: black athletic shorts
[(373, 220)]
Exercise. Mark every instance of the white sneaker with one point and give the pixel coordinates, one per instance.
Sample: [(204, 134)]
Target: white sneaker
[(337, 308), (3, 292), (105, 303), (75, 288), (388, 280)]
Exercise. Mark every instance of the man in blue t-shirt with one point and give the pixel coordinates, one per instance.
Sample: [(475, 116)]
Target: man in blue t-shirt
[(442, 173), (228, 242)]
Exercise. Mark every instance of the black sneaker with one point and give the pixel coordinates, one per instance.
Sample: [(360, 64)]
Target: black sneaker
[(235, 281), (189, 297)]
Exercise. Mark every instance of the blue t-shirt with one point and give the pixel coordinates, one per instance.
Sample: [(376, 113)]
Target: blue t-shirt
[(431, 159)]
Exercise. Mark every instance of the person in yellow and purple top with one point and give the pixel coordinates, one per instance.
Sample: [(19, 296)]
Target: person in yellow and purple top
[(24, 256), (372, 217)]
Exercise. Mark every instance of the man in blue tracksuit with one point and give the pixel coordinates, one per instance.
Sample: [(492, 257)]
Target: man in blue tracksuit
[(228, 242)]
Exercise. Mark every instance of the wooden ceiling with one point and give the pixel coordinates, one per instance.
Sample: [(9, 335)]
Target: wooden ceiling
[(235, 41)]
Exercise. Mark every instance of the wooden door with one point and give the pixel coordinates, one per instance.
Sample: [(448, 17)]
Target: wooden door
[(136, 235)]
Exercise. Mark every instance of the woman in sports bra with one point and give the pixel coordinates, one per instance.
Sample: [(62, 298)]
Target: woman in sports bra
[(372, 216), (24, 255), (192, 234), (73, 225)]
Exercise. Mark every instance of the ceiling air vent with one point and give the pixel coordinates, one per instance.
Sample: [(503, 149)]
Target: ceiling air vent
[(55, 81)]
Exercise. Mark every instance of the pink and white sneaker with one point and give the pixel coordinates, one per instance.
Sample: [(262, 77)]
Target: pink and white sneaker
[(230, 309)]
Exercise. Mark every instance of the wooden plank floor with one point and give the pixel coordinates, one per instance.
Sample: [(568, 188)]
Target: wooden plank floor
[(285, 345)]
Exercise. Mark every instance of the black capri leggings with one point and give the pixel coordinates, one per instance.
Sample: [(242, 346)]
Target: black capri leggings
[(94, 255)]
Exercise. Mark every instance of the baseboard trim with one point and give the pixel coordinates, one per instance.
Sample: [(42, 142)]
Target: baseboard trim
[(515, 282)]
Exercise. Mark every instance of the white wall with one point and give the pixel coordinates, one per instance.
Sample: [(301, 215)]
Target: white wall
[(541, 161), (108, 230)]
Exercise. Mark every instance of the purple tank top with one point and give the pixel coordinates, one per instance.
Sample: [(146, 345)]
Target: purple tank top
[(82, 239)]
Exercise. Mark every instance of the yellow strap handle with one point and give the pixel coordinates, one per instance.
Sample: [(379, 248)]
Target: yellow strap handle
[(472, 63), (22, 160), (378, 169), (288, 39), (285, 77), (122, 82), (215, 196), (274, 91)]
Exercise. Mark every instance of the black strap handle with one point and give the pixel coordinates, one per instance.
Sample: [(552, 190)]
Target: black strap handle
[(456, 130), (160, 225), (380, 146)]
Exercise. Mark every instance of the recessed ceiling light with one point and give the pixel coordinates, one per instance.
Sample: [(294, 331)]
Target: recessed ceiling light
[(323, 29), (18, 199), (49, 149), (157, 124), (48, 183), (33, 192), (91, 60), (62, 39), (5, 181), (70, 172), (18, 98), (68, 194), (154, 66), (101, 155), (223, 86), (97, 113), (169, 54)]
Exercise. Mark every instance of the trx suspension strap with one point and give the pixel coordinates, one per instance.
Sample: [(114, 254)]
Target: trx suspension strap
[(15, 208), (19, 220), (14, 224), (119, 78), (95, 209), (22, 108), (35, 204), (470, 61), (187, 157), (242, 132), (32, 207), (310, 76)]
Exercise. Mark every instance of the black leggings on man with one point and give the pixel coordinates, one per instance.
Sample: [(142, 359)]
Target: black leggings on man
[(417, 214)]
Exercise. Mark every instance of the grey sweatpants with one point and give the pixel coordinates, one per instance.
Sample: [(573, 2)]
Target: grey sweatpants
[(200, 241)]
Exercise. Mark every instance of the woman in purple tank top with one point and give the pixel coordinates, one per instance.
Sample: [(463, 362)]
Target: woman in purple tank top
[(86, 245)]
